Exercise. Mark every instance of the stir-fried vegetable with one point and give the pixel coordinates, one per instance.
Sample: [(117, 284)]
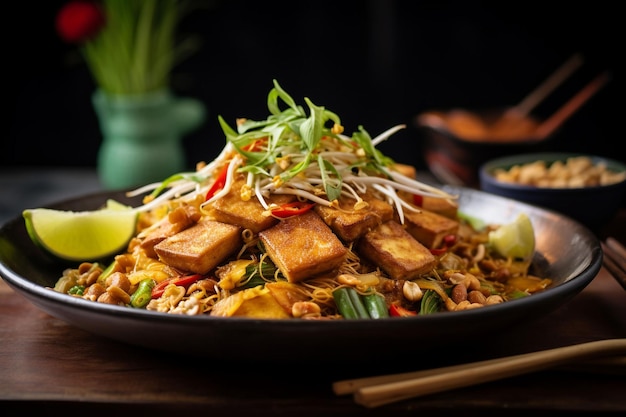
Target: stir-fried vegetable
[(291, 209), (352, 305), (399, 311), (184, 281), (141, 297)]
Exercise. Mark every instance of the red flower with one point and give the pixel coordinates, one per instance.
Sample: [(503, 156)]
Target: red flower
[(79, 21)]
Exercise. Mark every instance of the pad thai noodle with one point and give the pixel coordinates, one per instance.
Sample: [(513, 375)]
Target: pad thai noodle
[(296, 220)]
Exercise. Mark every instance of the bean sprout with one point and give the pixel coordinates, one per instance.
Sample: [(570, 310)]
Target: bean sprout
[(292, 153)]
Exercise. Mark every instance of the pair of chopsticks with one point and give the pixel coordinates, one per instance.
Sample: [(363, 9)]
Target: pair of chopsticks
[(380, 390), (614, 259), (524, 107), (552, 123)]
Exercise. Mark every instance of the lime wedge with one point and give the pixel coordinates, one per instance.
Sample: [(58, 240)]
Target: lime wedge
[(116, 205), (83, 235), (516, 239)]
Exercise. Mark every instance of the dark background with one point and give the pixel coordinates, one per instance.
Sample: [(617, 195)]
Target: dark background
[(375, 63)]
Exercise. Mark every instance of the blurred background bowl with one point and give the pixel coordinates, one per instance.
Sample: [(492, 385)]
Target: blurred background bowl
[(456, 142), (592, 205)]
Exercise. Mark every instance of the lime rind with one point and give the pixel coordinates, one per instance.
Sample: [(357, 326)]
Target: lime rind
[(81, 236), (515, 239)]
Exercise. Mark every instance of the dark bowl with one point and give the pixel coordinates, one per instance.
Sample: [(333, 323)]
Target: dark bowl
[(567, 252), (593, 206), (457, 142)]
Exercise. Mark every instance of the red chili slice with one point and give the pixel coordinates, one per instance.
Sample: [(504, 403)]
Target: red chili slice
[(418, 200), (439, 251), (397, 311), (219, 183), (184, 281), (448, 241), (292, 209)]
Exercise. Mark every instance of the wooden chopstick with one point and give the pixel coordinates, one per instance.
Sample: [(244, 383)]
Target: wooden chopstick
[(550, 125), (376, 391), (536, 96), (610, 365), (614, 260)]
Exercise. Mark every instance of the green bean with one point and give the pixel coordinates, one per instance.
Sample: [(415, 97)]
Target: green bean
[(375, 305), (142, 296), (358, 304), (352, 305), (344, 303)]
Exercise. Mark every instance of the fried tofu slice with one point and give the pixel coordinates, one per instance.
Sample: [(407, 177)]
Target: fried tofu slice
[(350, 224), (175, 222), (303, 246), (443, 206), (396, 252), (201, 247), (429, 228), (249, 213)]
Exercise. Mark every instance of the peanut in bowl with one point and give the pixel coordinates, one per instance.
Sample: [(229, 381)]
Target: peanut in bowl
[(587, 188)]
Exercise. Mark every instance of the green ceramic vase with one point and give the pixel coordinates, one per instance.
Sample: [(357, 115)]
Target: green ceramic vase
[(142, 136)]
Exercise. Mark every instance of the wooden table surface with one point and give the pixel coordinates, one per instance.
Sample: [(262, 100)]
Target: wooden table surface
[(48, 366)]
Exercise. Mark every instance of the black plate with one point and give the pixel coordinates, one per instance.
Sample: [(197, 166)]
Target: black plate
[(567, 252)]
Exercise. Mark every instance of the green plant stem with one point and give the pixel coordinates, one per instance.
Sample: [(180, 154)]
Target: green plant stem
[(136, 50)]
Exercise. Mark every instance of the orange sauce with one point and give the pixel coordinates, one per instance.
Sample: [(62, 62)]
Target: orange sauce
[(508, 127)]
